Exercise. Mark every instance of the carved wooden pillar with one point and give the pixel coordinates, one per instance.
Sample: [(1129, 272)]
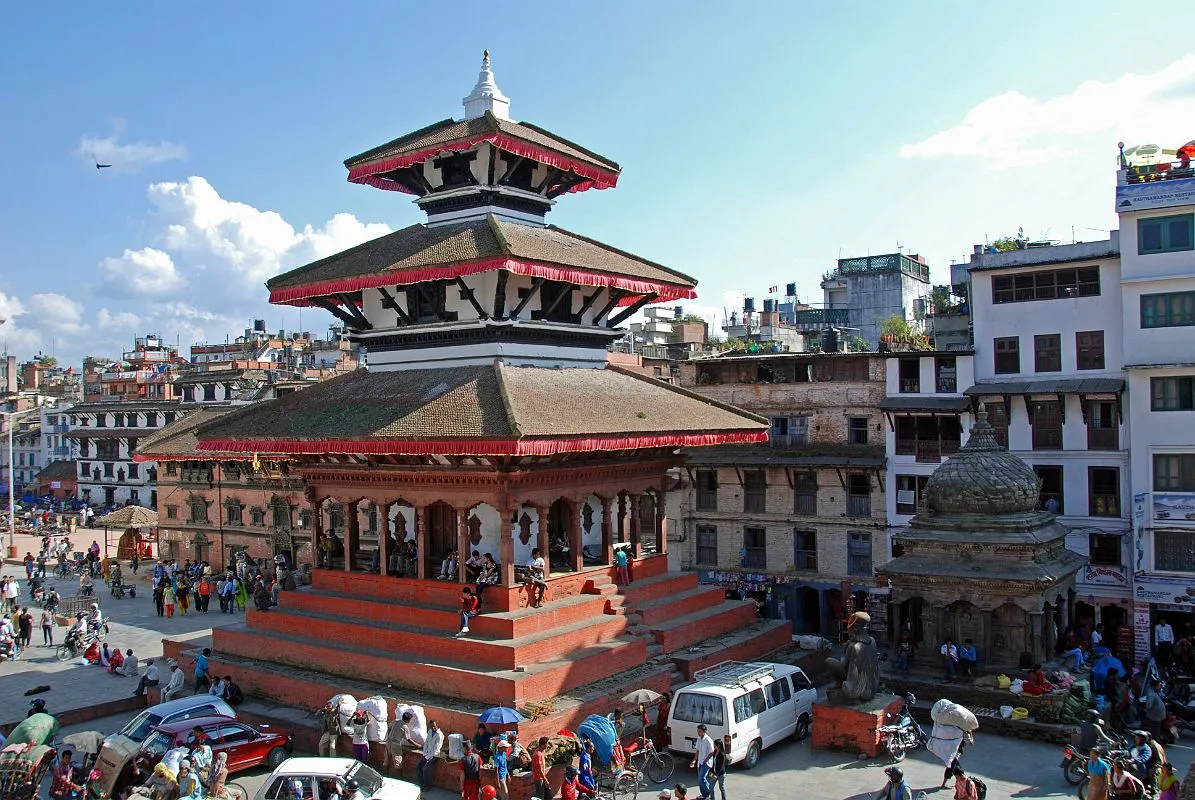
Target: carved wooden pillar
[(574, 536), (544, 538), (636, 542), (352, 534), (462, 544), (317, 531), (506, 545), (384, 538), (623, 523), (420, 542), (607, 530), (661, 524)]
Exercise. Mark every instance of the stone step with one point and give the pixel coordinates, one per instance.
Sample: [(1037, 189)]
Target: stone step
[(674, 634), (497, 624), (751, 641), (679, 605), (414, 672), (474, 647), (646, 589)]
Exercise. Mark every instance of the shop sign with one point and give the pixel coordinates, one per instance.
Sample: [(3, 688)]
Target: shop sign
[(1139, 501), (1160, 590), (1105, 576), (55, 484), (1155, 194), (1141, 637), (1174, 507)]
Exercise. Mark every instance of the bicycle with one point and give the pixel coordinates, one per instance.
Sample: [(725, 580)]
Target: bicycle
[(620, 785), (645, 758)]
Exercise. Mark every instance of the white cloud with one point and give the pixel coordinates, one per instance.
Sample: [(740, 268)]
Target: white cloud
[(144, 272), (56, 313), (117, 319), (127, 157), (197, 276), (1011, 129)]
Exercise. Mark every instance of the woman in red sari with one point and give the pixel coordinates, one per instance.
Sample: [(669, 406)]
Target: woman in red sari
[(1037, 683)]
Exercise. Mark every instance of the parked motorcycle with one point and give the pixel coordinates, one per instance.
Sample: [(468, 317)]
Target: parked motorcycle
[(903, 733), (1180, 718)]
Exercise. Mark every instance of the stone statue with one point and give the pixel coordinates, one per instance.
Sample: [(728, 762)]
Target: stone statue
[(858, 671)]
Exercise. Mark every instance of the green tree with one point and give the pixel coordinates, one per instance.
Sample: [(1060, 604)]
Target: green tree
[(857, 344)]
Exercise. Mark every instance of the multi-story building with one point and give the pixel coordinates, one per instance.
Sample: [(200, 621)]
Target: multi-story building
[(927, 419), (1157, 289), (26, 452), (1048, 366), (145, 373), (801, 519), (55, 424), (208, 509), (861, 293), (107, 435)]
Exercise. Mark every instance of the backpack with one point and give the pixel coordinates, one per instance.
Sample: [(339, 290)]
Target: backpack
[(981, 788)]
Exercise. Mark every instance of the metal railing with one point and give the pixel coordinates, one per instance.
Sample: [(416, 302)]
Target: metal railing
[(858, 506), (822, 316)]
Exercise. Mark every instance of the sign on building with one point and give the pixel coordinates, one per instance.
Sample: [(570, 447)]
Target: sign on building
[(1159, 194)]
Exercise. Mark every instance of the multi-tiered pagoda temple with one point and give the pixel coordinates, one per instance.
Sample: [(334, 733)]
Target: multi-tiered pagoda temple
[(488, 419)]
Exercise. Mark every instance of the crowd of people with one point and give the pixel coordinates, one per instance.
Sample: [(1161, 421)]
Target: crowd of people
[(190, 586)]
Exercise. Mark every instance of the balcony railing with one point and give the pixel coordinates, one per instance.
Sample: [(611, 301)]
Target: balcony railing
[(755, 558), (1150, 173), (929, 451), (1102, 438), (823, 316), (910, 386), (947, 385), (858, 506)]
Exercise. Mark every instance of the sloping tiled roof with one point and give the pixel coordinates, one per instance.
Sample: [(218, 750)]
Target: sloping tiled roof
[(178, 440), (482, 410), (1057, 386), (58, 471), (923, 403), (445, 133), (422, 253)]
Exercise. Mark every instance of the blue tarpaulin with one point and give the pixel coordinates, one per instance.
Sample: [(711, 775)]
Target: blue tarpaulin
[(601, 731)]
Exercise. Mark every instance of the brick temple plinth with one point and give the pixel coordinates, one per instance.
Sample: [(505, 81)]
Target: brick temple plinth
[(854, 729)]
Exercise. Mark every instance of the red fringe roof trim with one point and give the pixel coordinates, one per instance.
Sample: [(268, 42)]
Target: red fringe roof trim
[(299, 295), (597, 178), (477, 447)]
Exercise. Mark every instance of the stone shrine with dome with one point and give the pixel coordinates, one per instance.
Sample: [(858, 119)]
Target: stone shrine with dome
[(980, 562)]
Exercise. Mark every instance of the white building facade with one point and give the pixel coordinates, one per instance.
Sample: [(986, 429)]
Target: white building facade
[(1048, 367), (927, 419), (55, 424), (1157, 222), (106, 435)]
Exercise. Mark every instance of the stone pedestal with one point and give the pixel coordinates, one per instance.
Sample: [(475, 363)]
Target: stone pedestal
[(852, 728)]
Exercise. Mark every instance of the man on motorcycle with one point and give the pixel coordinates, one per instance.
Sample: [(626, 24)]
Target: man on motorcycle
[(1092, 733), (77, 632), (896, 789), (1148, 757), (95, 619), (52, 600)]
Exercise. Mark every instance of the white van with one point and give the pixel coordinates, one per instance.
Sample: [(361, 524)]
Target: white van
[(754, 704)]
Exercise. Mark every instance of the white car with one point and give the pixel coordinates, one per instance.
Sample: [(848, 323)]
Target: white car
[(311, 779), (748, 706)]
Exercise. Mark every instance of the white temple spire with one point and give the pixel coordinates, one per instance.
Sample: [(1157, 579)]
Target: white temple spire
[(486, 95)]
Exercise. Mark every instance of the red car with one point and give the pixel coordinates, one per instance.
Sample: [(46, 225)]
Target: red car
[(247, 746)]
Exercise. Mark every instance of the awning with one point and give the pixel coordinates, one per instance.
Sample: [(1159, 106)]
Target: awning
[(942, 405), (1058, 386)]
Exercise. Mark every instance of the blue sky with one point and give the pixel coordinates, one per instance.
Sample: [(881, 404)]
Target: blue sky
[(758, 140)]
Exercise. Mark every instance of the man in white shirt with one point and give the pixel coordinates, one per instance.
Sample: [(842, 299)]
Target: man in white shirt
[(949, 653), (431, 751), (1163, 643), (175, 686), (536, 572), (702, 760), (150, 678), (1097, 636)]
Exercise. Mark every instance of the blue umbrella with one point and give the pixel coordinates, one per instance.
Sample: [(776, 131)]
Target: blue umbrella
[(500, 715)]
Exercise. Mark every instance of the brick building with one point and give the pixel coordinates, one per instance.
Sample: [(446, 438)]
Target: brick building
[(209, 509), (792, 521)]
